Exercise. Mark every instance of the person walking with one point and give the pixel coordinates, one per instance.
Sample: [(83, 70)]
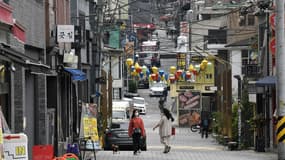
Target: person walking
[(136, 131), (165, 127), (204, 127)]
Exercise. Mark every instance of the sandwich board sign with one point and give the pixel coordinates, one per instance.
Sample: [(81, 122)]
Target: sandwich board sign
[(15, 146)]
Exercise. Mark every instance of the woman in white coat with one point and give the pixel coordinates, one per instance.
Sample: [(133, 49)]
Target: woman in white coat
[(165, 127)]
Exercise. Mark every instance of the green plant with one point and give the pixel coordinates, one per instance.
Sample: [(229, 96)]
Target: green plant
[(217, 122), (257, 121), (133, 86), (235, 122)]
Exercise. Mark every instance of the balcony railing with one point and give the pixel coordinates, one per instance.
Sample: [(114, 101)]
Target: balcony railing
[(251, 70)]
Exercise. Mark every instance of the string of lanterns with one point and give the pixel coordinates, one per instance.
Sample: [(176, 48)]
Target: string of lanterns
[(156, 74)]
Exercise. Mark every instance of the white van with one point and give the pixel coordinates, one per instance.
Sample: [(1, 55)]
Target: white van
[(140, 104), (120, 111)]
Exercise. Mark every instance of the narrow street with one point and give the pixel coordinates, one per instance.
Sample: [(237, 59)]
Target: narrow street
[(185, 145)]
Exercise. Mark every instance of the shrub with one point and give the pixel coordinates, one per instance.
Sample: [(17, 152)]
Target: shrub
[(133, 86)]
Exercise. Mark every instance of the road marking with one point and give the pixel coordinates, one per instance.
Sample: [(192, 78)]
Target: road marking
[(188, 147)]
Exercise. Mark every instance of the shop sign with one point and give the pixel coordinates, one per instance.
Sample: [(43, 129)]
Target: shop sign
[(65, 33), (186, 87)]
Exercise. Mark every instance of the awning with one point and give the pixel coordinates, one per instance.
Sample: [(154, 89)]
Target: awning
[(40, 70), (267, 81), (11, 55), (77, 75)]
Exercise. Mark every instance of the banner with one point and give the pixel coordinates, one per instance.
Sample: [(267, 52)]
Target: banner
[(189, 106), (89, 125)]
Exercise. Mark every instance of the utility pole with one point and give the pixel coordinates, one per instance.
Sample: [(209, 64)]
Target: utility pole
[(280, 79)]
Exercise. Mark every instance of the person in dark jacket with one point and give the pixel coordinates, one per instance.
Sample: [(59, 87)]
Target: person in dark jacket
[(204, 127)]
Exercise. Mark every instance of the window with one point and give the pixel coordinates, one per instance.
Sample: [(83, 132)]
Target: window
[(249, 63), (116, 93), (242, 21), (217, 36), (206, 17), (116, 68), (250, 20), (244, 57), (247, 20)]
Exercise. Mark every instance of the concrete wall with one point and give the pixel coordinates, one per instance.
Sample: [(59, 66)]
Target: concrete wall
[(30, 14)]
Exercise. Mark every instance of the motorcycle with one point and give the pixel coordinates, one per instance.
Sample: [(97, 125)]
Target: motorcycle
[(195, 127)]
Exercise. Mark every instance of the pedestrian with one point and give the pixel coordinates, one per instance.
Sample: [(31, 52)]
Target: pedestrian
[(165, 128), (136, 131), (204, 127)]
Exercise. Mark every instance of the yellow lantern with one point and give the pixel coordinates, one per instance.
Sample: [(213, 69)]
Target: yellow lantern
[(154, 70), (172, 69), (129, 62), (205, 62), (202, 67), (137, 65), (134, 73), (191, 68)]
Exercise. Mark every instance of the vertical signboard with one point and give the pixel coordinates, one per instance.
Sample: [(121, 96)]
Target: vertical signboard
[(89, 125), (184, 28), (189, 106), (181, 61)]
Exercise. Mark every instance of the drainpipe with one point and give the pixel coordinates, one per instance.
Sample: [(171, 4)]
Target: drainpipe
[(239, 109)]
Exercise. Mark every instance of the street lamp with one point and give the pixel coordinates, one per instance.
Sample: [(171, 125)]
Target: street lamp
[(239, 109)]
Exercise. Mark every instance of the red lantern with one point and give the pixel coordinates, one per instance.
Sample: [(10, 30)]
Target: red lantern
[(153, 76), (172, 79), (188, 75), (139, 69), (176, 76), (195, 72), (179, 72)]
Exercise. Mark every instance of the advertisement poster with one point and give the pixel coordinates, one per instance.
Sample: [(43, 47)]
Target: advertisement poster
[(189, 106), (15, 146), (89, 125)]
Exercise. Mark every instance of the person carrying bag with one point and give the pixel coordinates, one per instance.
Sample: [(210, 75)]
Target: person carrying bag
[(165, 128), (136, 131)]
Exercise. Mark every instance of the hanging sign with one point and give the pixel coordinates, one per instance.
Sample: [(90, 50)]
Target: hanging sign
[(65, 33), (272, 20)]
